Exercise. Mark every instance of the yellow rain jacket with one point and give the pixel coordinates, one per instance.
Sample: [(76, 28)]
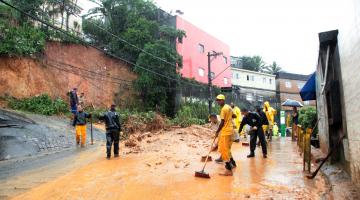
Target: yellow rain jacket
[(270, 113), (238, 119)]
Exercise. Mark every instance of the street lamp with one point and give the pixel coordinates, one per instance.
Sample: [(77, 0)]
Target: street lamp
[(209, 55)]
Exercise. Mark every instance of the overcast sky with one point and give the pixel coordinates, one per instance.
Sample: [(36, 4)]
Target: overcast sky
[(285, 31)]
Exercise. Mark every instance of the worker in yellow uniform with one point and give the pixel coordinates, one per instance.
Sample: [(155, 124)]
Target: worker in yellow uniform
[(237, 112), (270, 115), (80, 125), (225, 133)]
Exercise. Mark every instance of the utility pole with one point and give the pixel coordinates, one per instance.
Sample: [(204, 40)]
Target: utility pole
[(209, 55), (209, 82)]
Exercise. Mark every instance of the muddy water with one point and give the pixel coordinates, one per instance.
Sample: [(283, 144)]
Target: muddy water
[(167, 172)]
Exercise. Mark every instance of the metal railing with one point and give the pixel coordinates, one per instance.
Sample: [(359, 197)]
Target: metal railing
[(303, 141)]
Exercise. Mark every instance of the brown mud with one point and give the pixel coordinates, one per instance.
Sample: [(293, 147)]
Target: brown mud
[(161, 165)]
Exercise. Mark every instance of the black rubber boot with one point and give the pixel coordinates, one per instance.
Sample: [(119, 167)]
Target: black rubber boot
[(228, 166), (251, 155), (232, 161)]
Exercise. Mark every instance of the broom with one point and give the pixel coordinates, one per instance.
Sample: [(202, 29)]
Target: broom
[(202, 173)]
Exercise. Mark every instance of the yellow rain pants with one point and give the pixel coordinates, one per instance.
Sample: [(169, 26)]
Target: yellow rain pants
[(225, 142), (80, 131)]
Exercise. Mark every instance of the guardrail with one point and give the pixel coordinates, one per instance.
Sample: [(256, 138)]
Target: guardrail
[(303, 141)]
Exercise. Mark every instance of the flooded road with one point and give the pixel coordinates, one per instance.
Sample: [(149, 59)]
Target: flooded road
[(166, 171)]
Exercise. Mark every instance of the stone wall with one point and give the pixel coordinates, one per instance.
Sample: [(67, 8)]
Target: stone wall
[(103, 79)]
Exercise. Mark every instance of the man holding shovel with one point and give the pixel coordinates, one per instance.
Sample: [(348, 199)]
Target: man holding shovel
[(225, 133), (113, 128)]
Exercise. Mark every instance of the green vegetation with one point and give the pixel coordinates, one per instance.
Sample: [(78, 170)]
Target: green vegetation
[(193, 113), (136, 30), (21, 36), (141, 24), (307, 117), (42, 104), (22, 40), (256, 63)]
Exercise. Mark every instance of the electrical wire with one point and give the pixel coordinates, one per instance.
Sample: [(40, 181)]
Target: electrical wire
[(88, 43)]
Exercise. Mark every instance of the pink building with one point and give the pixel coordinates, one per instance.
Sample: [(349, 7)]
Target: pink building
[(194, 49)]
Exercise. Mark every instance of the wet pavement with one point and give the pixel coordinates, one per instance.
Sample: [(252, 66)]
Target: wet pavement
[(168, 173)]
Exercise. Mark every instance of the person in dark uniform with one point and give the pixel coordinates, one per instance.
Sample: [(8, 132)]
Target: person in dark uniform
[(264, 121), (255, 122), (74, 101), (113, 128)]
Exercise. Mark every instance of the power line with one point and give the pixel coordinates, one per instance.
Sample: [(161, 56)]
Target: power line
[(80, 33), (132, 45), (221, 72), (88, 43)]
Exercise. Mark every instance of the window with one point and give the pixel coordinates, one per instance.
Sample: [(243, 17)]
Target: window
[(201, 72), (225, 59), (252, 78), (212, 75), (264, 80), (201, 48), (248, 77), (300, 85), (288, 84), (225, 81), (270, 81), (237, 76)]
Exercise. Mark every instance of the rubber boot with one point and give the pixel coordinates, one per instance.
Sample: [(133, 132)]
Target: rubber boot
[(251, 155), (233, 163)]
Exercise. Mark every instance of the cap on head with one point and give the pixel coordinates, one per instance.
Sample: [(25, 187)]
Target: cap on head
[(220, 97)]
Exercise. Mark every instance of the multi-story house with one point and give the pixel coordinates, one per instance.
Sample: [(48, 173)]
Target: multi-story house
[(253, 87), (194, 49), (288, 86)]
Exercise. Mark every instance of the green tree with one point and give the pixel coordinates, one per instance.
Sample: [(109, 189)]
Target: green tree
[(156, 91), (253, 63), (137, 25), (32, 7), (273, 68)]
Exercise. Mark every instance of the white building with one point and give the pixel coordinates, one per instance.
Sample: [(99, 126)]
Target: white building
[(254, 87)]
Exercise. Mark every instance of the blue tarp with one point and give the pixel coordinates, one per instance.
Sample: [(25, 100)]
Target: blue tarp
[(308, 92)]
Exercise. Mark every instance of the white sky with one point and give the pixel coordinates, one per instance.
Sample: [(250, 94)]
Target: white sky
[(285, 31)]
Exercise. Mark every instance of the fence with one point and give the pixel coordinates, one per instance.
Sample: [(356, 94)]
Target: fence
[(303, 141)]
